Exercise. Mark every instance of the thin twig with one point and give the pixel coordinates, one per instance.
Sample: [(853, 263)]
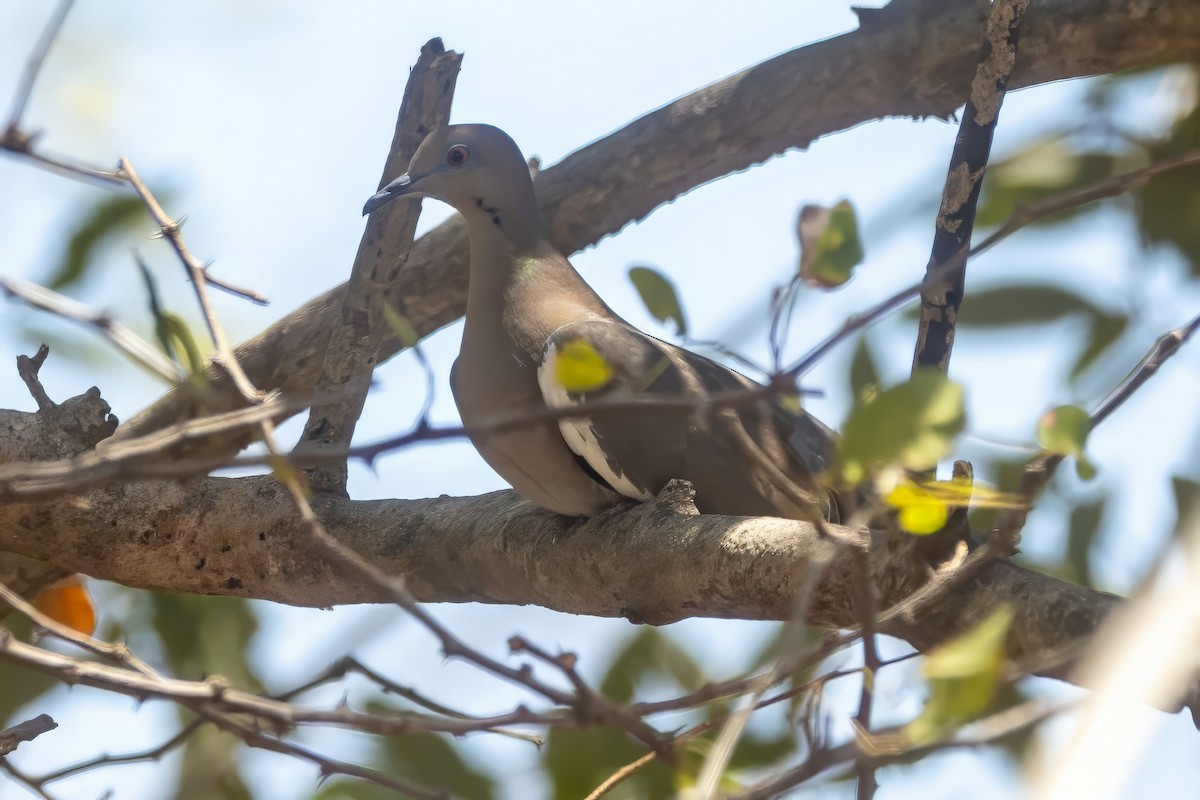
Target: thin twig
[(197, 272), (28, 368), (116, 653), (868, 601), (621, 774), (237, 291), (141, 457), (15, 140), (790, 659), (1041, 468), (138, 349), (29, 782), (1020, 217), (33, 66), (890, 746), (150, 754), (739, 686), (348, 664), (592, 705)]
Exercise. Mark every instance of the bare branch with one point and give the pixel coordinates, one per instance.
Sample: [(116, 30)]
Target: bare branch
[(890, 746), (171, 231), (592, 706), (1042, 467), (33, 66), (106, 760), (138, 349), (942, 292), (353, 350), (867, 609), (28, 368), (27, 731)]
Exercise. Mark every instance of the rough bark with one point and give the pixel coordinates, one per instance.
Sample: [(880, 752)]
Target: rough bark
[(655, 563), (58, 432), (913, 58)]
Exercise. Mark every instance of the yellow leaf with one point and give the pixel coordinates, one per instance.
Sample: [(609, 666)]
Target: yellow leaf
[(920, 511), (924, 518), (924, 507), (578, 368)]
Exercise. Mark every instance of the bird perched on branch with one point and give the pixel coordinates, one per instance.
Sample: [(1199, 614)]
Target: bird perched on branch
[(539, 339)]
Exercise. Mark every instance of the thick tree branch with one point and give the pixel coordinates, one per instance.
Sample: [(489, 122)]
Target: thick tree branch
[(353, 349), (943, 289), (913, 59), (66, 429), (656, 563)]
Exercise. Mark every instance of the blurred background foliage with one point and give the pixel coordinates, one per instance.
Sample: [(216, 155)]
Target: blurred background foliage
[(196, 637)]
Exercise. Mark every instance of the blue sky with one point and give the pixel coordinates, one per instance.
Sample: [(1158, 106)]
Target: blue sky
[(266, 124)]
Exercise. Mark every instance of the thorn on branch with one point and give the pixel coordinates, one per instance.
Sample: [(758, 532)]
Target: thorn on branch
[(28, 368)]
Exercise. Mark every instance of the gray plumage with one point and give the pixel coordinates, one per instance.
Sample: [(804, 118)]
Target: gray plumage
[(526, 302)]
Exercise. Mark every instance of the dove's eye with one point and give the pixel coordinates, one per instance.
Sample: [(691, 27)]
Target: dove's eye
[(457, 156)]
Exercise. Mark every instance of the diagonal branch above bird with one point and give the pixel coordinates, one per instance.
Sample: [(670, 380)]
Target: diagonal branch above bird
[(532, 320)]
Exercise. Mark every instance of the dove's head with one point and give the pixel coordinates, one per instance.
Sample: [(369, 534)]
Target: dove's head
[(477, 169)]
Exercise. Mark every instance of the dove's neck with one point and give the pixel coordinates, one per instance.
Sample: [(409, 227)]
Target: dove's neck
[(521, 286)]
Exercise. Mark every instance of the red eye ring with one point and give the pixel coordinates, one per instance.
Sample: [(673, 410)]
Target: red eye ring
[(458, 155)]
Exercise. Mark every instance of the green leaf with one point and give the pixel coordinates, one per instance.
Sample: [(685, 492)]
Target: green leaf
[(963, 674), (1006, 477), (830, 244), (113, 214), (650, 654), (173, 334), (864, 374), (577, 760), (1085, 469), (1106, 329), (182, 344), (209, 767), (400, 325), (1064, 430), (911, 425), (659, 296), (1081, 532), (1020, 305), (1168, 208), (1047, 167), (579, 369), (20, 686), (206, 635), (433, 761)]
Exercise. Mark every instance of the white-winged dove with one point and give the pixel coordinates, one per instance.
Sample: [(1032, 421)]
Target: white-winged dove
[(526, 304)]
